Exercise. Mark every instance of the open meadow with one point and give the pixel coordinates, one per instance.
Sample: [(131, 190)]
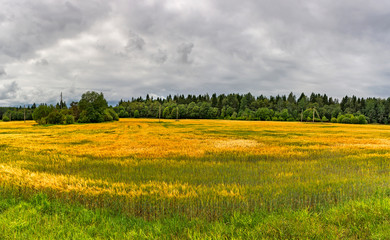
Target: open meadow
[(201, 178)]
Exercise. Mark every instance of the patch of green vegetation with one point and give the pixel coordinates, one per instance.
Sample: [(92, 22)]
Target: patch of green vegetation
[(109, 131), (42, 218), (225, 133), (328, 126), (186, 125), (304, 144), (3, 146), (81, 142)]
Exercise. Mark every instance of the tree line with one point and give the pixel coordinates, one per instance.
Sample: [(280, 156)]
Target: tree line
[(17, 113), (314, 107), (92, 107)]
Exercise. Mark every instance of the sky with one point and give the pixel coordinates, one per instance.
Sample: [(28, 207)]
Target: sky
[(132, 48)]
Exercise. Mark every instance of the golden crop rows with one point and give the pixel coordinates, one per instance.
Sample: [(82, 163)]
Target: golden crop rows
[(195, 168)]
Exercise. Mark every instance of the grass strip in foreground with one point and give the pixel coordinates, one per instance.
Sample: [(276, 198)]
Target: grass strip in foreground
[(42, 218)]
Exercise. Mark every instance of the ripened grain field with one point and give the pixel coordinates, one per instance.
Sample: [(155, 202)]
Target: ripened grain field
[(205, 169)]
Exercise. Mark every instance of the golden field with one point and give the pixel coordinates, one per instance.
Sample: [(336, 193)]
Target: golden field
[(196, 168)]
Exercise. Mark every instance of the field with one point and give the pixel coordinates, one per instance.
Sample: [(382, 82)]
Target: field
[(139, 178)]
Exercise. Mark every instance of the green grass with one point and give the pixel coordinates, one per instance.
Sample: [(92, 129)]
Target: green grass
[(41, 218)]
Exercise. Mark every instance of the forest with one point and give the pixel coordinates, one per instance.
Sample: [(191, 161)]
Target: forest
[(249, 107), (316, 107)]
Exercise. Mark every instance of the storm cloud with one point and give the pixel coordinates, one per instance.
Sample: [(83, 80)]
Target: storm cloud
[(131, 48)]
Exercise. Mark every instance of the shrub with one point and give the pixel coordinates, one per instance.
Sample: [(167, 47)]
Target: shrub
[(333, 120), (5, 118), (354, 120), (55, 117), (69, 119), (41, 111), (362, 119), (340, 118), (83, 117), (113, 114), (41, 121), (346, 120), (107, 116), (263, 113), (284, 115), (123, 114)]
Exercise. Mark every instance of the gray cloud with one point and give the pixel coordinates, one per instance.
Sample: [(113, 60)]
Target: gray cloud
[(33, 25), (184, 51), (42, 62), (2, 72), (135, 42), (161, 56), (8, 91), (130, 48)]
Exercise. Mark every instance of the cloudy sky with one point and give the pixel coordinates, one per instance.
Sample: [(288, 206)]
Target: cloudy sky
[(132, 48)]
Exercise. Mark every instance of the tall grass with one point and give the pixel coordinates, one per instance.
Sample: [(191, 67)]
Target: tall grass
[(41, 218)]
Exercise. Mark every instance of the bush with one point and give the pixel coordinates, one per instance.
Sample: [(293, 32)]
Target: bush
[(123, 114), (349, 118), (55, 117), (136, 113), (107, 116), (113, 114), (83, 117), (362, 119), (340, 118), (263, 113), (41, 111), (333, 120), (41, 121), (90, 115), (284, 115), (346, 120), (354, 120), (5, 118), (69, 119)]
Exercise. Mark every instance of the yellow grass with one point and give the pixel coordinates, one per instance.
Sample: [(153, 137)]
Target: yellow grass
[(196, 168)]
